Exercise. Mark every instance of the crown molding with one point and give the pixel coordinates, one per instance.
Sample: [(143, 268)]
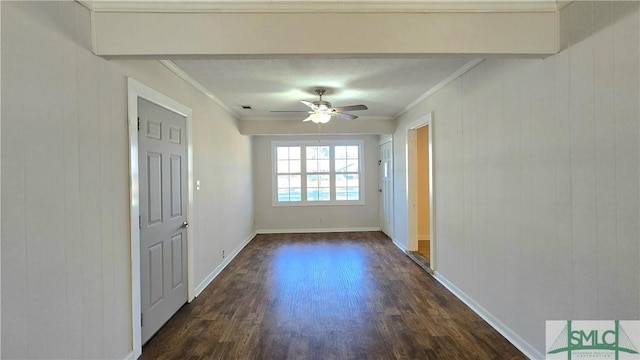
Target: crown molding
[(193, 82), (298, 119), (449, 79), (346, 6)]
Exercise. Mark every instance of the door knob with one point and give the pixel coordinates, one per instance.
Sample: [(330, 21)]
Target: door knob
[(185, 225)]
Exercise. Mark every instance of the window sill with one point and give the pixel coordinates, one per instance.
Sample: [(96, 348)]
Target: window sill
[(323, 203)]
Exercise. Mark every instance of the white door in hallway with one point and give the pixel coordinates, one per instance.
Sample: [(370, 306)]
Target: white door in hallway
[(386, 187), (163, 221)]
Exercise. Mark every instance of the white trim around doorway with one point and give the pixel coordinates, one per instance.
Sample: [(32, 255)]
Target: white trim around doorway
[(138, 90), (412, 186)]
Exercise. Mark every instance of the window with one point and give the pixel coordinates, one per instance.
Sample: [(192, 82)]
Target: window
[(347, 173), (289, 176), (317, 173)]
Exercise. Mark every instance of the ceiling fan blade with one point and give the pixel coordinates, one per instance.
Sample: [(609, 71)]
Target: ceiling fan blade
[(307, 119), (290, 111), (351, 108), (311, 105), (344, 116)]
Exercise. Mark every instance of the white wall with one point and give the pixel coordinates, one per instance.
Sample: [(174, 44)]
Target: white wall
[(536, 177), (65, 185), (292, 218), (0, 186), (222, 164)]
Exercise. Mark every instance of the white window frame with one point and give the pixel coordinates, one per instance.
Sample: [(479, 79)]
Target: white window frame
[(303, 172)]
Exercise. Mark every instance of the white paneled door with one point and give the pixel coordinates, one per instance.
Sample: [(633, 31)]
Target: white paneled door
[(163, 221), (386, 188)]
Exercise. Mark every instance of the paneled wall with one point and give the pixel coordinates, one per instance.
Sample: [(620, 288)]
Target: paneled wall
[(66, 289), (537, 178), (296, 218)]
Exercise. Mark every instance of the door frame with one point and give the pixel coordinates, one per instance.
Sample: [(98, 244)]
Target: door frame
[(412, 186), (137, 90), (383, 140)]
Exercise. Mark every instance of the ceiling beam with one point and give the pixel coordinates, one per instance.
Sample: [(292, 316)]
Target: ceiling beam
[(163, 34), (323, 5), (335, 126)]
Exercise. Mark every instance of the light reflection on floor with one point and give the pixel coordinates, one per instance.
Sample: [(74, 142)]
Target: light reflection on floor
[(320, 284)]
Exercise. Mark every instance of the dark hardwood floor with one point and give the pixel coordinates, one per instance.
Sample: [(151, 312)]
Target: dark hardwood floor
[(326, 296)]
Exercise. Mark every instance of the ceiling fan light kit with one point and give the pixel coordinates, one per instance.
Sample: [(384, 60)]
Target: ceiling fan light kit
[(319, 118), (321, 111)]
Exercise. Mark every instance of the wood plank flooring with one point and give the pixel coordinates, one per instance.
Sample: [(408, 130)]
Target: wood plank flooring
[(424, 248), (326, 296)]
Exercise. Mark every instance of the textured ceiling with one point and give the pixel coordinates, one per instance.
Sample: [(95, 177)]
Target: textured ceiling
[(386, 85)]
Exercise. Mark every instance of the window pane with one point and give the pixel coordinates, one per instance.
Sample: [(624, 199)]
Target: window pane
[(283, 194), (323, 152), (283, 182), (341, 193), (312, 152), (341, 166), (353, 194), (347, 158), (318, 187), (324, 181), (294, 166), (295, 181), (352, 152), (352, 165), (324, 166), (283, 166), (325, 194), (312, 181), (312, 166), (318, 159), (312, 195), (295, 194), (294, 152), (352, 180), (282, 152), (341, 180), (288, 159), (289, 188)]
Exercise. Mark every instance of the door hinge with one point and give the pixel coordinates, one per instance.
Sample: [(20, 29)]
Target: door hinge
[(379, 161), (141, 320), (140, 221), (138, 124)]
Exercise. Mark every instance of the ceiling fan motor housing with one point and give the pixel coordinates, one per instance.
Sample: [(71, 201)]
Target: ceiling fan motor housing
[(323, 105)]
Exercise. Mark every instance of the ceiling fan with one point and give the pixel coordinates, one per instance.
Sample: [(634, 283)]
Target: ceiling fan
[(321, 111)]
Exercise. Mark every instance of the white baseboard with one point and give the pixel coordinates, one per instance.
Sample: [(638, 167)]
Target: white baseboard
[(223, 265), (318, 230), (400, 246), (526, 348), (132, 356)]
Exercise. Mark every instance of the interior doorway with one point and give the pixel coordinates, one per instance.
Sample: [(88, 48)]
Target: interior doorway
[(420, 195), (424, 205), (137, 91), (385, 185)]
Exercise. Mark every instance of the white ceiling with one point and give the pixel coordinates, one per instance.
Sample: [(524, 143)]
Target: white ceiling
[(386, 85)]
